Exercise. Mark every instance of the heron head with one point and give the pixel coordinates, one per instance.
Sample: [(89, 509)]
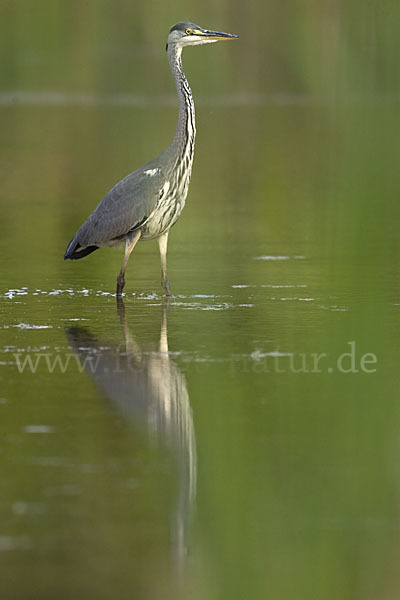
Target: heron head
[(188, 34)]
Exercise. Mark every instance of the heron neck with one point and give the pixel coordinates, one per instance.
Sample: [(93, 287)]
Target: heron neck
[(185, 134)]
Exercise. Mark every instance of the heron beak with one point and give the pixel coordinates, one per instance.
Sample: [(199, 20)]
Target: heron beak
[(216, 35)]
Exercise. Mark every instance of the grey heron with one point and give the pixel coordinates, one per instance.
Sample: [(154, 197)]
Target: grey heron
[(147, 203)]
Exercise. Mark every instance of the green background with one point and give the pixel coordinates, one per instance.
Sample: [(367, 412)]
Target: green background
[(288, 246)]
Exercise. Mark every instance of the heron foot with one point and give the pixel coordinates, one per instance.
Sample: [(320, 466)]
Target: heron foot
[(120, 284), (166, 287)]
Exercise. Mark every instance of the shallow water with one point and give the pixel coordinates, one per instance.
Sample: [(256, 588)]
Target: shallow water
[(246, 429)]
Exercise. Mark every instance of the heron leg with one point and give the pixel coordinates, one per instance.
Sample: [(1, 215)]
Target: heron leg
[(130, 244), (162, 243)]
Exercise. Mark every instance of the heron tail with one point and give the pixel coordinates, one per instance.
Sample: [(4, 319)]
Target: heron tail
[(74, 251)]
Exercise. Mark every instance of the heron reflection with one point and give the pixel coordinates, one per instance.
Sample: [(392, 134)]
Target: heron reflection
[(149, 389)]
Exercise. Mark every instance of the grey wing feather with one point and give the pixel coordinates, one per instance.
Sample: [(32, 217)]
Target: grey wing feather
[(126, 206)]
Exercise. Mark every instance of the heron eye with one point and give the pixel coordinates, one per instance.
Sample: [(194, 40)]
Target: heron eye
[(188, 31)]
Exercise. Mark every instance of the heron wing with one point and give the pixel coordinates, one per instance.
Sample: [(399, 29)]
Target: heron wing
[(125, 208)]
